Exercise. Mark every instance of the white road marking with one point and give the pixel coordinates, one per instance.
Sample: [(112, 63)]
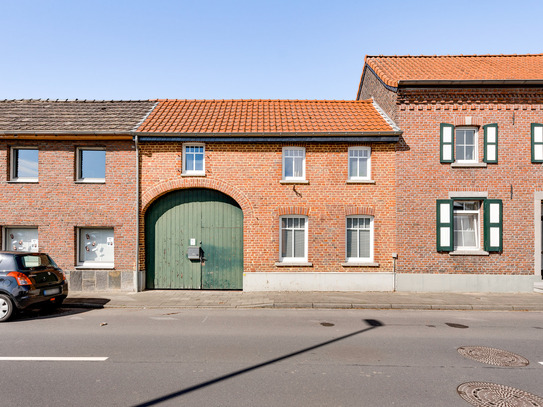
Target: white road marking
[(541, 363), (53, 359)]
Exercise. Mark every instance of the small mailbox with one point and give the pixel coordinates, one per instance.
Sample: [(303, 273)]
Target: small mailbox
[(193, 253)]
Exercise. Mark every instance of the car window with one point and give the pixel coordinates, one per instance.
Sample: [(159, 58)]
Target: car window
[(33, 261)]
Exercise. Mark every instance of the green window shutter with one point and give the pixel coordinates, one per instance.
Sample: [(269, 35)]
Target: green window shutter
[(446, 137), (491, 143), (444, 225), (537, 143), (493, 226)]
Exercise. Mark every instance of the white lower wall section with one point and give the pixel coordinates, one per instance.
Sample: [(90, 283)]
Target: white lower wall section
[(465, 283), (301, 281)]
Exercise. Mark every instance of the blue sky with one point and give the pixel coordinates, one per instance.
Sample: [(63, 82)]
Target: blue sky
[(238, 49)]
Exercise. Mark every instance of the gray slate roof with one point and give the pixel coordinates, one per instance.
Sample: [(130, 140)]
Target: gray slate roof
[(72, 116)]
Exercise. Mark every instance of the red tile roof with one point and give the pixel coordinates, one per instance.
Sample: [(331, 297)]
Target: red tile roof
[(394, 69), (245, 117)]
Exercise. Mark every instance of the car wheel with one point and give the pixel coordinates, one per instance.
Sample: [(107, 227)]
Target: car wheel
[(6, 307)]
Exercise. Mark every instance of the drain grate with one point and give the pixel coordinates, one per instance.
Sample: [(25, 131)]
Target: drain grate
[(492, 356), (490, 394)]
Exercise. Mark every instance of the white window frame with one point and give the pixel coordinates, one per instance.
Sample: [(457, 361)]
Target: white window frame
[(284, 156), (358, 159), (371, 229), (93, 264), (33, 244), (13, 165), (475, 141), (79, 163), (184, 163), (467, 212), (306, 228)]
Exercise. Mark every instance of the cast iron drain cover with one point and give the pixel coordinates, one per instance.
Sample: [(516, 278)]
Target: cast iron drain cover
[(492, 356), (490, 394)]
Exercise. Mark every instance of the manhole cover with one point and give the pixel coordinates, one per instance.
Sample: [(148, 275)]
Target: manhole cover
[(327, 324), (492, 356), (491, 394)]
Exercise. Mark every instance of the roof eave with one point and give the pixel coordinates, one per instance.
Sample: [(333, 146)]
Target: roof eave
[(272, 134), (509, 82)]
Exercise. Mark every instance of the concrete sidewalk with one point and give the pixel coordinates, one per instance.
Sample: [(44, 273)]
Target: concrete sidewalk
[(324, 300)]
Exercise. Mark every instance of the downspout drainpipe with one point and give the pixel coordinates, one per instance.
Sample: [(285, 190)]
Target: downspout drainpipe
[(394, 257), (138, 283)]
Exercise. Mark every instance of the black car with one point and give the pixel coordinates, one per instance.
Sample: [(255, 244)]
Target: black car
[(29, 279)]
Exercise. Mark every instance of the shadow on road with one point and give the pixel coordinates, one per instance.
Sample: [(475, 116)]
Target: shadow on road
[(373, 323)]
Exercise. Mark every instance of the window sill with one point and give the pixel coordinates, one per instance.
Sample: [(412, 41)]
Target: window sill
[(293, 264), (81, 181), (95, 267), (194, 175), (359, 264), (360, 181), (468, 165), (23, 181), (294, 181), (469, 253)]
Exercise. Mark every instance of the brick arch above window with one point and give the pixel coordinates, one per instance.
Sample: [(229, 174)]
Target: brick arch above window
[(155, 192), (292, 210), (359, 210)]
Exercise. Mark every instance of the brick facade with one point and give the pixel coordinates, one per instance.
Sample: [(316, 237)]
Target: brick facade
[(251, 174), (421, 178), (57, 205)]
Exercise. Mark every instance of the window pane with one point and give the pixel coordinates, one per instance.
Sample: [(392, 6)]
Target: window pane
[(93, 163), (199, 162), (26, 163), (469, 155), (352, 243), (470, 137), (96, 245), (286, 244), (299, 243), (289, 167), (363, 167), (189, 164), (364, 248), (353, 167), (298, 167), (460, 152), (22, 239)]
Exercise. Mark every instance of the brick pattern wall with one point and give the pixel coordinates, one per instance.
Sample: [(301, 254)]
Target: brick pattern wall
[(251, 174), (373, 88), (57, 205), (422, 179)]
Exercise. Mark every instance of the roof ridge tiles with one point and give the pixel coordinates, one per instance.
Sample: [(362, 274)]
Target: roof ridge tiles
[(454, 55)]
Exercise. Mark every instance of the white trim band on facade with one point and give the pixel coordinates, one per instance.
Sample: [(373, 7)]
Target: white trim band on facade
[(465, 283), (318, 281), (468, 194)]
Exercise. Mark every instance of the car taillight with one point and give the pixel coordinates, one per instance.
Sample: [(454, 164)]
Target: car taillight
[(22, 279)]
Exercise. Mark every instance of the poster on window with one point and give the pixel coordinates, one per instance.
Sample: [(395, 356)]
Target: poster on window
[(22, 239), (96, 246)]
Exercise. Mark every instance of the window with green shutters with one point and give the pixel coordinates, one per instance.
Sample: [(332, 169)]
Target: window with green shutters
[(459, 144), (537, 142), (457, 225)]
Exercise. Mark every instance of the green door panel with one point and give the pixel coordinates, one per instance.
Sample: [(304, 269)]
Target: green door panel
[(211, 218)]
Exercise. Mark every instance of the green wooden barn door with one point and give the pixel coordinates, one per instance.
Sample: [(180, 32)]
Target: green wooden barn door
[(214, 221)]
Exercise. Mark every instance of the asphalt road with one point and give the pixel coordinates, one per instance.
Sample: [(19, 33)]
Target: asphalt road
[(204, 357)]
